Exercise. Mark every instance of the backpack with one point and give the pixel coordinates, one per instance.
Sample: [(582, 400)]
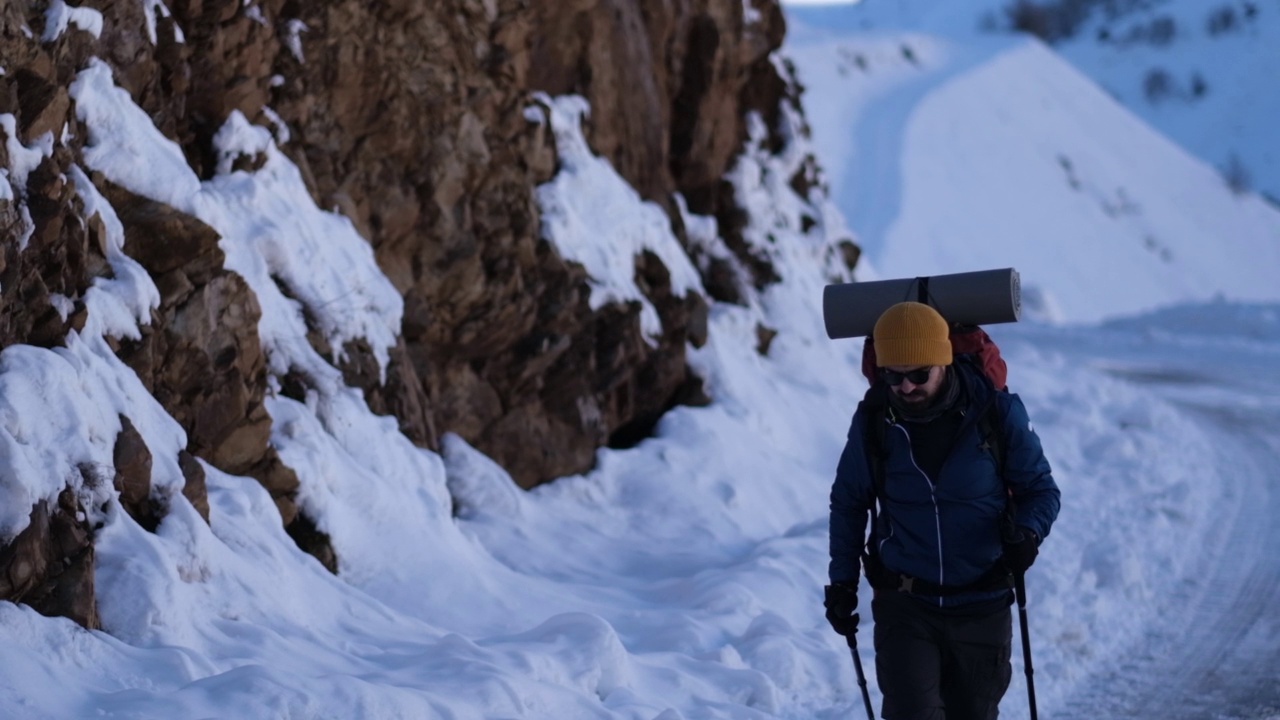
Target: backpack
[(970, 345)]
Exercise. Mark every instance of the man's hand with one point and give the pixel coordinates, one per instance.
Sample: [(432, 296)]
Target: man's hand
[(841, 601), (1020, 552)]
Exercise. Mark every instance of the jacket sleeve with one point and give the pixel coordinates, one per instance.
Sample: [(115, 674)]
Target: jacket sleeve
[(1035, 494), (851, 497)]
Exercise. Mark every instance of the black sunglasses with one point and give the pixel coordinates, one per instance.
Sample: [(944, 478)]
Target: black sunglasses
[(919, 376)]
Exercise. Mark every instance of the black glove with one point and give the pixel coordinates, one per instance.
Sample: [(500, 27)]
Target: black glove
[(1020, 551), (841, 601)]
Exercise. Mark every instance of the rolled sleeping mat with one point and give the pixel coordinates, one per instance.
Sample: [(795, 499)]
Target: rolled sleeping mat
[(982, 297)]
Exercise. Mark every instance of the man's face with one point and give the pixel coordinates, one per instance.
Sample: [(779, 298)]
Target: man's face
[(901, 383)]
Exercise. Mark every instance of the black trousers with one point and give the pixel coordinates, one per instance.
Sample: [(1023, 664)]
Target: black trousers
[(935, 664)]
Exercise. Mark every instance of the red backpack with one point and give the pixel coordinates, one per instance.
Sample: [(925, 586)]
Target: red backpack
[(968, 343)]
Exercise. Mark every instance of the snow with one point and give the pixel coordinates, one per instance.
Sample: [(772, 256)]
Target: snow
[(681, 578), (278, 124), (156, 8), (22, 161), (271, 229), (596, 219), (1214, 81), (949, 156), (293, 38), (1233, 117), (60, 16), (117, 304)]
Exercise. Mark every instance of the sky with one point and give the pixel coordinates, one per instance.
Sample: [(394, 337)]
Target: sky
[(682, 578)]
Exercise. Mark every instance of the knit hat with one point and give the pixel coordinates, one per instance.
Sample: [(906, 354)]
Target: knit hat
[(912, 333)]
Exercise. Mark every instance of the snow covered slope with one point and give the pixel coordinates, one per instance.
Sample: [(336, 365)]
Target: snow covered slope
[(989, 151), (1211, 86), (680, 579), (1203, 72)]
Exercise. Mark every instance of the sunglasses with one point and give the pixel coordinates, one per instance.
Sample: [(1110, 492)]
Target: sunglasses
[(919, 376)]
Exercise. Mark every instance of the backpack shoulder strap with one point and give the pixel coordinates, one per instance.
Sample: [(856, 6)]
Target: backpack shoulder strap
[(991, 427), (990, 420), (875, 406), (875, 409), (991, 430)]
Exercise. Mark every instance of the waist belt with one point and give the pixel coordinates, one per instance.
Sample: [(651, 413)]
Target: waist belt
[(882, 578)]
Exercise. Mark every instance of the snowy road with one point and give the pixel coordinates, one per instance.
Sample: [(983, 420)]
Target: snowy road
[(1214, 651)]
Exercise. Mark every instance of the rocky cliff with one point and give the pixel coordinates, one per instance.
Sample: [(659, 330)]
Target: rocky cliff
[(412, 120)]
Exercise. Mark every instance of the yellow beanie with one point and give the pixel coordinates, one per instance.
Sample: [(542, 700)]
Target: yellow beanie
[(912, 333)]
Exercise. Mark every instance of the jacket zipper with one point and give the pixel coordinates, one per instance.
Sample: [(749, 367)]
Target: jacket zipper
[(933, 495)]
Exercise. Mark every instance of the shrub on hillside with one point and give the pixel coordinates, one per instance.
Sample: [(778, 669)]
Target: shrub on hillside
[(1161, 31), (1222, 20), (1158, 32), (1198, 86), (1236, 175), (1157, 86), (1049, 21), (1116, 9), (1028, 17)]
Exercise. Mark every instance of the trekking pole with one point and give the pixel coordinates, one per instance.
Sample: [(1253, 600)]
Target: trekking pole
[(852, 638), (1020, 590)]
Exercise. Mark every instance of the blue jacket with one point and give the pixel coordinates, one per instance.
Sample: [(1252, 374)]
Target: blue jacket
[(948, 533)]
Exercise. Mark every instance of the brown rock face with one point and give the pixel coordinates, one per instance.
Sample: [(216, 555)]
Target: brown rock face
[(194, 487), (201, 356), (132, 460), (49, 566), (47, 253), (410, 119)]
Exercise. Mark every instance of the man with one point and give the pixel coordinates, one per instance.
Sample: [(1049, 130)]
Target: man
[(960, 496)]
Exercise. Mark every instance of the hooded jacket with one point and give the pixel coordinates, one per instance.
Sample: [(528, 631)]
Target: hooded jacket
[(946, 532)]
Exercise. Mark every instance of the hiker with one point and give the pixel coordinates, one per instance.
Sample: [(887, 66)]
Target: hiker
[(959, 493)]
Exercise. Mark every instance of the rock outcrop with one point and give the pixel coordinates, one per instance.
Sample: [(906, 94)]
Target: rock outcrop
[(410, 119)]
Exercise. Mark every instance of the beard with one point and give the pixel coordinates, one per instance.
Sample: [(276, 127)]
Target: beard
[(916, 397)]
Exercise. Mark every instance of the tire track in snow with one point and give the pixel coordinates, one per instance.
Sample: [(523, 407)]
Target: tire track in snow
[(1216, 652)]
